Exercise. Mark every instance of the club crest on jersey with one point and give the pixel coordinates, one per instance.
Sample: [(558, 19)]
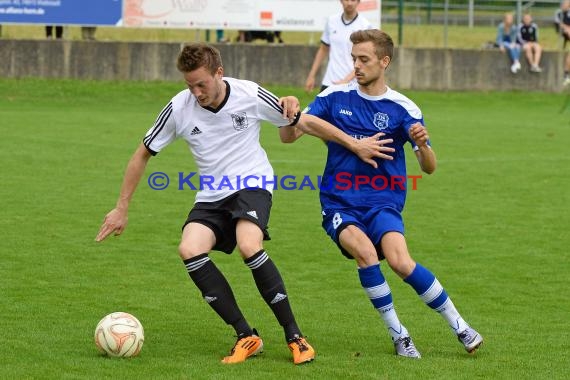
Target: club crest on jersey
[(240, 121), (381, 120)]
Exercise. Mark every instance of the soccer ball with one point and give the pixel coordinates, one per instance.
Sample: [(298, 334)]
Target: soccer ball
[(119, 334)]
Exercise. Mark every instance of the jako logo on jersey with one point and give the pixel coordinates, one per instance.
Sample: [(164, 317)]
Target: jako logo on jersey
[(381, 121), (240, 121), (345, 112)]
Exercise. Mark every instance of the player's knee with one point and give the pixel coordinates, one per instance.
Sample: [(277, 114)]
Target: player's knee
[(365, 257), (402, 265), (248, 247), (187, 251)]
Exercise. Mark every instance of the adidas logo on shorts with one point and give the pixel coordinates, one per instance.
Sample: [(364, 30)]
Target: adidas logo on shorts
[(253, 214)]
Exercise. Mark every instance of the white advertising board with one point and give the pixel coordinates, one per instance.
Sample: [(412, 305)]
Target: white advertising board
[(293, 15)]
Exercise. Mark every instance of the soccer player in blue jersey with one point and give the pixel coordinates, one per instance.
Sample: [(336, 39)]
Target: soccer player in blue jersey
[(362, 205)]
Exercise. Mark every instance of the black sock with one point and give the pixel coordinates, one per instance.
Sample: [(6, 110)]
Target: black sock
[(272, 289), (217, 292)]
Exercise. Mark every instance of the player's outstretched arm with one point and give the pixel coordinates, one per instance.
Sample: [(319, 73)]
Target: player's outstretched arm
[(289, 134), (424, 154), (366, 149), (116, 220)]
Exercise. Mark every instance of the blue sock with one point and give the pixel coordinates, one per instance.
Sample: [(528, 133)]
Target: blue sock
[(434, 295), (427, 286), (379, 293)]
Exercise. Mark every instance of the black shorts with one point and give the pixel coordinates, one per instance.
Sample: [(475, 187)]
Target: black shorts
[(222, 216)]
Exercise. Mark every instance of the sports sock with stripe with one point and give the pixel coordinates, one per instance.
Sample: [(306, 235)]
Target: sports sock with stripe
[(434, 295), (271, 287), (217, 292), (379, 293)]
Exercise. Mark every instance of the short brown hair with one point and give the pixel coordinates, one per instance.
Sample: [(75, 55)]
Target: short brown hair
[(381, 40), (194, 56)]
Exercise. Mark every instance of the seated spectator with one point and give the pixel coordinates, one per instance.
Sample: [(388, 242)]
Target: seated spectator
[(528, 38), (562, 23), (507, 41), (58, 31)]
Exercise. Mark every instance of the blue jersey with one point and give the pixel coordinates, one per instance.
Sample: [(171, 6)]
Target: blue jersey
[(348, 182)]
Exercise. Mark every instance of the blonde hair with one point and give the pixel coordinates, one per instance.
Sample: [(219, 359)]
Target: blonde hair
[(382, 41)]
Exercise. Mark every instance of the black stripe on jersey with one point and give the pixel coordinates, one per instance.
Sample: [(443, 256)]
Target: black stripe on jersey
[(158, 124), (152, 152), (269, 98)]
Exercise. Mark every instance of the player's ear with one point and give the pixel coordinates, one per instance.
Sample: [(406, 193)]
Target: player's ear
[(385, 61)]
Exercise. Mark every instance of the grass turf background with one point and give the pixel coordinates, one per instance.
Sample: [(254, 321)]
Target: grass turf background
[(491, 223)]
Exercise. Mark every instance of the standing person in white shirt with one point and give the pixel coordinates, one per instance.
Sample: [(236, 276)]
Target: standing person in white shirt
[(220, 119), (336, 45)]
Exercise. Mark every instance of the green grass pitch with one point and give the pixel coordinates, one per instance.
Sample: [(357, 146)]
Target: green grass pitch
[(492, 223)]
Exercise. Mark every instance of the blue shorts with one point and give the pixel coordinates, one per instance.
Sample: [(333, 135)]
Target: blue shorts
[(373, 222)]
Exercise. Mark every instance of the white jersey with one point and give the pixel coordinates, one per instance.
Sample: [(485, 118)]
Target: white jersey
[(337, 37), (224, 141)]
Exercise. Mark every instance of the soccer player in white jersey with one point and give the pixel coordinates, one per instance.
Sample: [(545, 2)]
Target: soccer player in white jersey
[(220, 119), (362, 205), (336, 45)]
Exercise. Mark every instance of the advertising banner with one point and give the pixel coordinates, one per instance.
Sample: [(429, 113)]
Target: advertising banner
[(64, 12), (294, 15)]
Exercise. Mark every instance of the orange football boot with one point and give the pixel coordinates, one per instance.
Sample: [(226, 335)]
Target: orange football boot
[(301, 350), (244, 348)]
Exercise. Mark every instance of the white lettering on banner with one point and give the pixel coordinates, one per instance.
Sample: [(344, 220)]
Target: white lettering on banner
[(49, 3), (294, 15), (22, 11)]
